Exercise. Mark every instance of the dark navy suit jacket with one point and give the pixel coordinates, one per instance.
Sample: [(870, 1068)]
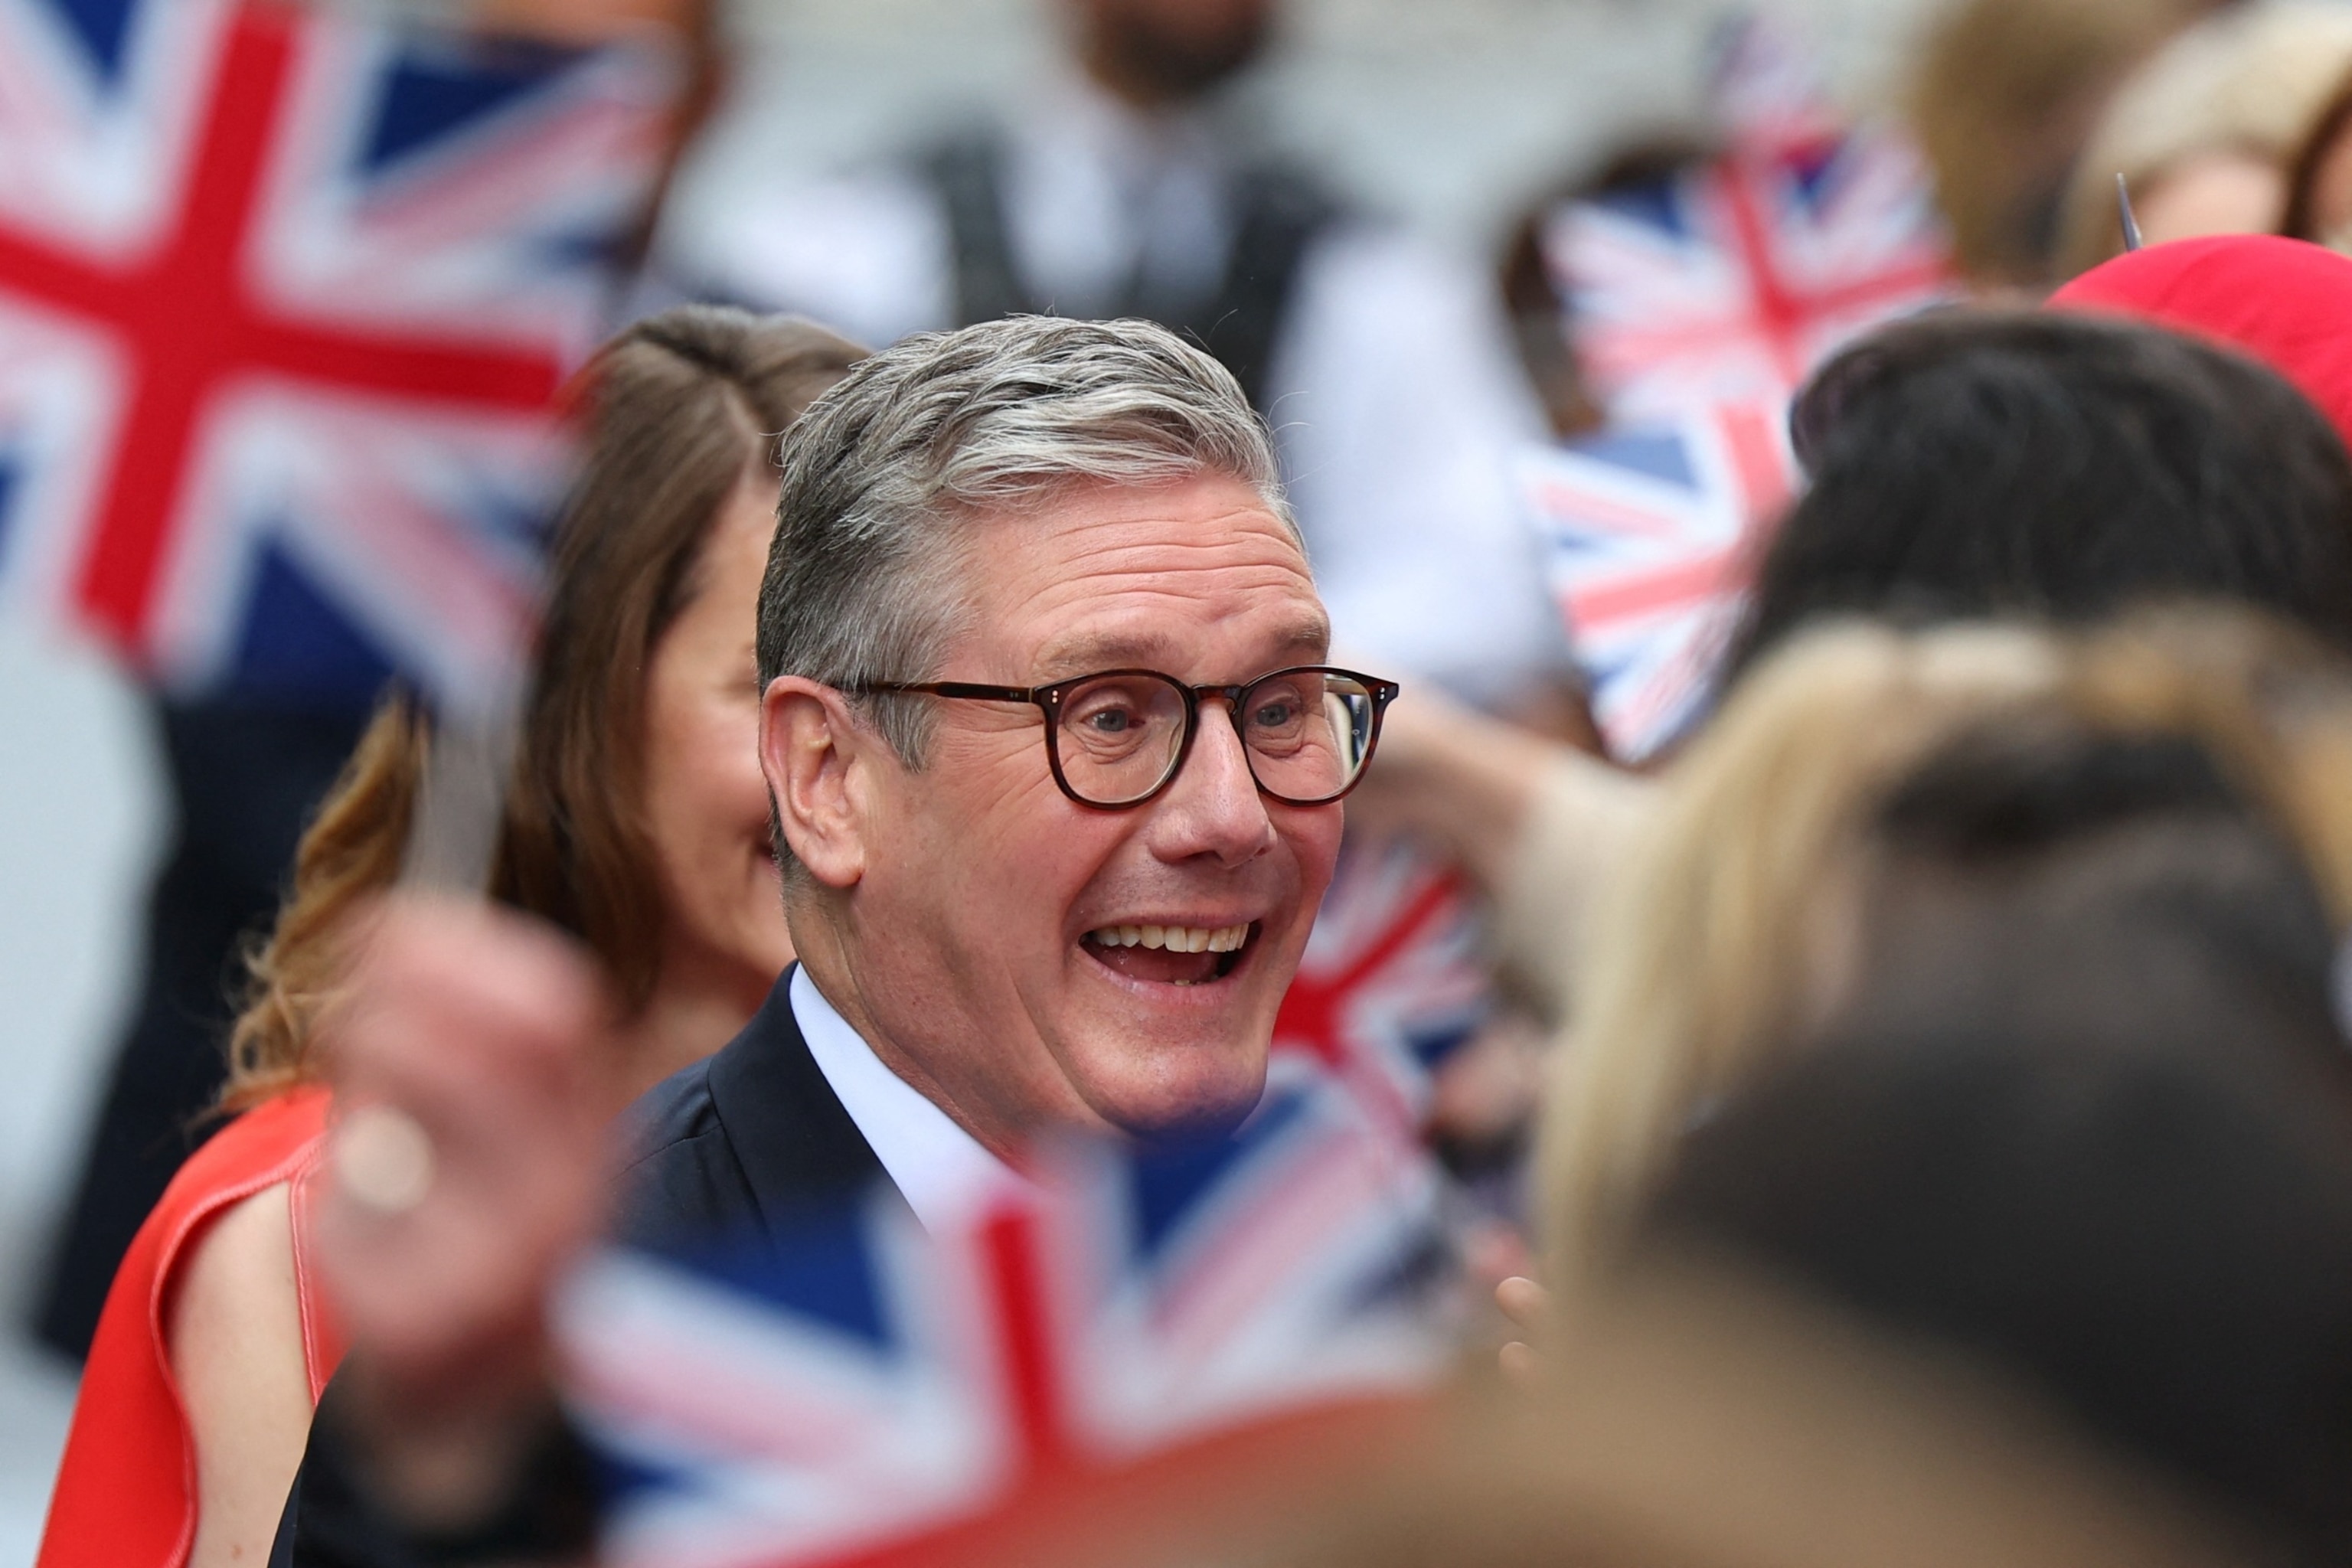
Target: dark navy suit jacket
[(740, 1141), (729, 1148)]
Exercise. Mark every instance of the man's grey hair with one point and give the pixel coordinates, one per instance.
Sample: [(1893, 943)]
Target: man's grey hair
[(863, 583)]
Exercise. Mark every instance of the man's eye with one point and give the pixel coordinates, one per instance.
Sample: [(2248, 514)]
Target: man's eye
[(1275, 715), (1109, 721)]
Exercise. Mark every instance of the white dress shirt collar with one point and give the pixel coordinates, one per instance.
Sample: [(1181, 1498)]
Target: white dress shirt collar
[(942, 1171)]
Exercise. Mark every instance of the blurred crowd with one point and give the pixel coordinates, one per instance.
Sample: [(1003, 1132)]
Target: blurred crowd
[(1884, 1095)]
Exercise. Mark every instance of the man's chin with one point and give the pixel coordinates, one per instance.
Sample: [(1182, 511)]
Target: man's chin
[(1150, 1080), (1196, 1112), (1180, 1046)]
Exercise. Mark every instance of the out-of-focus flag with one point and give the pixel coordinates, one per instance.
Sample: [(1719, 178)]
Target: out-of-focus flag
[(1392, 980), (1649, 535), (286, 296), (1732, 279), (1133, 1342)]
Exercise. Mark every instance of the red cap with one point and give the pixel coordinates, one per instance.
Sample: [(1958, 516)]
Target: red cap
[(2282, 301)]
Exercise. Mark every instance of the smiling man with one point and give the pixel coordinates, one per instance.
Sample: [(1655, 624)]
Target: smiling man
[(1057, 766)]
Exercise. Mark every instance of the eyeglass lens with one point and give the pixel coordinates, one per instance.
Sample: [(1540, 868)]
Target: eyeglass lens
[(1306, 734)]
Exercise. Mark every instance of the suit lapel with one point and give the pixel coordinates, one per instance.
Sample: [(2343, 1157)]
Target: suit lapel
[(794, 1143)]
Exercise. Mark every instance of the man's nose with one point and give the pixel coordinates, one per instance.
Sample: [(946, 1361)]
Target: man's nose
[(1213, 807)]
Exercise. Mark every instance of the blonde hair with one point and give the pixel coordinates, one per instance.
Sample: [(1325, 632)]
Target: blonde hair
[(1715, 950), (2250, 82), (2271, 705), (1708, 943)]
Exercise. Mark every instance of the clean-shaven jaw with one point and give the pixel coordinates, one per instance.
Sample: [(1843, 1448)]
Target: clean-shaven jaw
[(1025, 961)]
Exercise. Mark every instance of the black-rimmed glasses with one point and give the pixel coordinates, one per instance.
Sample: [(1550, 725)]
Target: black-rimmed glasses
[(1117, 739)]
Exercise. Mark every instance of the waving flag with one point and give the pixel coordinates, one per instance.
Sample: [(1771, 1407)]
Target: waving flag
[(1392, 980), (1129, 1330), (285, 298), (1649, 533), (1731, 280)]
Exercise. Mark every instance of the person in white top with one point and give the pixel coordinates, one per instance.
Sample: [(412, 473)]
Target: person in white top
[(1123, 187)]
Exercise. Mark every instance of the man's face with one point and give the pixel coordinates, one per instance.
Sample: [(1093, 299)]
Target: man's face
[(972, 918)]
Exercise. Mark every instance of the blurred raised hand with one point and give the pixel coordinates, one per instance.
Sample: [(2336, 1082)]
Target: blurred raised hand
[(474, 1070)]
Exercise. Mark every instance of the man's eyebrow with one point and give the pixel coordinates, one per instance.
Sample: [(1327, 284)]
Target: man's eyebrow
[(1114, 651), (1086, 653), (1310, 632)]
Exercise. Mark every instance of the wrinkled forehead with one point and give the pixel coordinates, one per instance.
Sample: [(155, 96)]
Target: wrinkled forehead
[(1163, 577)]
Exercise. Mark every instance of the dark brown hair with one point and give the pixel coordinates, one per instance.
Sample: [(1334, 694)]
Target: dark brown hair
[(681, 409), (687, 406)]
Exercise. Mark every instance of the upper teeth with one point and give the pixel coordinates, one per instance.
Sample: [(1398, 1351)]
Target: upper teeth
[(1175, 939)]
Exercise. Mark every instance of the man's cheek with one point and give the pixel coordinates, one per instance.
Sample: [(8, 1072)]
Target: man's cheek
[(1315, 838)]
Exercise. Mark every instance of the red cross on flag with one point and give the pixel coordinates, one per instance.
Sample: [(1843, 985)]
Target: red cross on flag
[(1145, 1340), (1394, 978), (1732, 279), (286, 298)]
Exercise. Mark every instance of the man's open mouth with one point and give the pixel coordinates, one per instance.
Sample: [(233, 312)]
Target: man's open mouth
[(1171, 954)]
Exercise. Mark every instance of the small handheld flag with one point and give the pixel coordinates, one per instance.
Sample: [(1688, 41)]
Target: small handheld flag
[(1648, 534), (1394, 978), (1139, 1338), (286, 296), (1732, 277)]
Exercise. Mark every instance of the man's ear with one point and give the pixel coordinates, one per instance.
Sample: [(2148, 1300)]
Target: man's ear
[(818, 758)]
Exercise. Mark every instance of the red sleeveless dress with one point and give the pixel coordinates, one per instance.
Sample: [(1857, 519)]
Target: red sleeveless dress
[(126, 1491)]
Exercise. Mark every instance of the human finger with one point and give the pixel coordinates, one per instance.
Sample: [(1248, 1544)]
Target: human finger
[(1523, 1302)]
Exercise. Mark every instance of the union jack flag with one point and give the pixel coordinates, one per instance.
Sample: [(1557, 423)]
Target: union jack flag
[(1732, 279), (1392, 980), (285, 300), (1131, 1328), (1650, 533)]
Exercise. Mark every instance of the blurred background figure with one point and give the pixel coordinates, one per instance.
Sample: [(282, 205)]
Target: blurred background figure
[(1760, 909), (2319, 178), (2003, 95), (2208, 132), (1128, 184), (2015, 942)]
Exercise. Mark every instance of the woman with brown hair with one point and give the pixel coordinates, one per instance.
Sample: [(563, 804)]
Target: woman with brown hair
[(636, 820)]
